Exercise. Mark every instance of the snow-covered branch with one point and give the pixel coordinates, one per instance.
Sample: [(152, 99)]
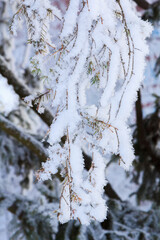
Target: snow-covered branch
[(30, 142), (93, 75), (23, 208), (21, 89)]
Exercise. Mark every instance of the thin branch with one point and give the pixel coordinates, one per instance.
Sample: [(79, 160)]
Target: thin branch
[(30, 142), (111, 193), (22, 90)]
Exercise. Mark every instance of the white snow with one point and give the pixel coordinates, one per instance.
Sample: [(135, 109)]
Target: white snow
[(9, 100)]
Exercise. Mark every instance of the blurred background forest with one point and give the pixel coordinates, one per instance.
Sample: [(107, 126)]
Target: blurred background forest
[(26, 205)]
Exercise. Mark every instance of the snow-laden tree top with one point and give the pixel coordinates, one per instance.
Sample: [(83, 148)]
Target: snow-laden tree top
[(92, 77)]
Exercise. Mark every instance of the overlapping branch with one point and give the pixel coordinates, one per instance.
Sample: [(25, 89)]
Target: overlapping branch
[(36, 147), (22, 90)]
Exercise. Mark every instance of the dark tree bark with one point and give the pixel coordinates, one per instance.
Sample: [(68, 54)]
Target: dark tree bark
[(142, 3), (145, 145)]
